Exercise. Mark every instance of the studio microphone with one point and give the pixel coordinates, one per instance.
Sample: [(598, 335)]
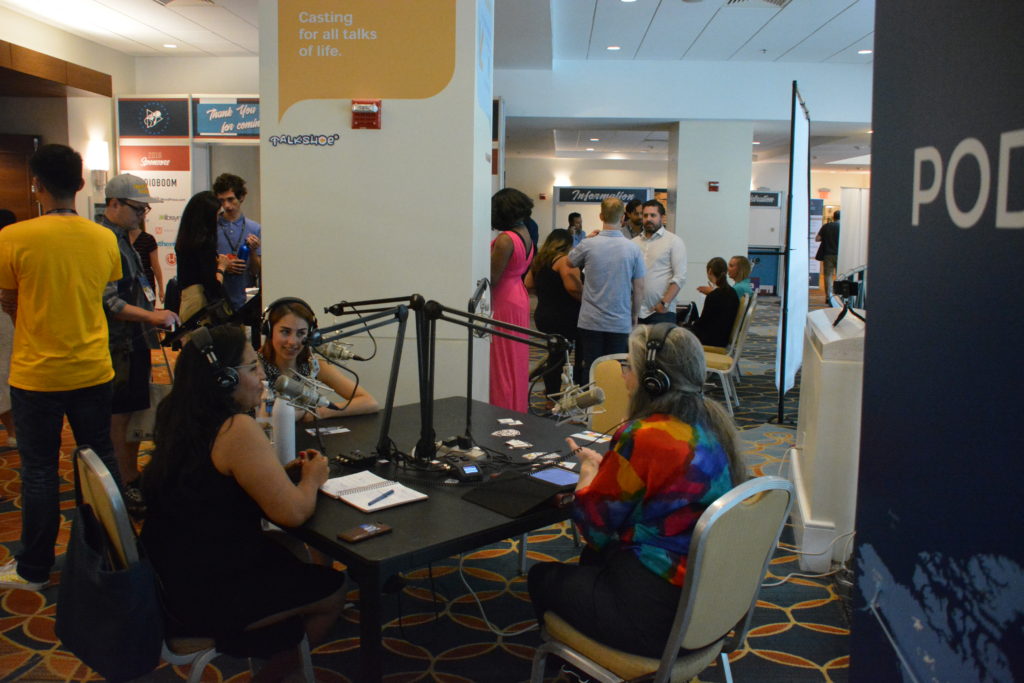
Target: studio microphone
[(574, 401), (336, 351), (299, 392)]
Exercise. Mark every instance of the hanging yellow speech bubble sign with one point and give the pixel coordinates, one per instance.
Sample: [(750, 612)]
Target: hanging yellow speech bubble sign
[(344, 49)]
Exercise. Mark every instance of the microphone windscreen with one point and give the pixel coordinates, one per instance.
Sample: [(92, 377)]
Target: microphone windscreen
[(591, 398)]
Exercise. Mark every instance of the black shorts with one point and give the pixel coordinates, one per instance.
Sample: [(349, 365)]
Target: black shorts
[(131, 378)]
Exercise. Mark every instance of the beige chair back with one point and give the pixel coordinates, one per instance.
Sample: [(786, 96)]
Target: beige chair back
[(100, 491), (741, 334), (729, 553), (606, 372)]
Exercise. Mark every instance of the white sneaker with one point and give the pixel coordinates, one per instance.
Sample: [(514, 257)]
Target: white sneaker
[(10, 578)]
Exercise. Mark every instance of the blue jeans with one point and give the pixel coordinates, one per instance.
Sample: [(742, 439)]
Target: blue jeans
[(39, 419)]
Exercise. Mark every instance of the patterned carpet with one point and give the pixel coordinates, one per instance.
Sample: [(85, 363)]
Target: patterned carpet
[(434, 628)]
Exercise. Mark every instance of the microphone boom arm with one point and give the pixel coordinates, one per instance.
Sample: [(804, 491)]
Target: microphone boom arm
[(433, 311)]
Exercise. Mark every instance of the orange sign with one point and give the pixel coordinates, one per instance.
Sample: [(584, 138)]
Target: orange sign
[(381, 49), (154, 158)]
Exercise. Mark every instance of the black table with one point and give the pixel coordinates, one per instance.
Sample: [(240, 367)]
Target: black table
[(425, 531)]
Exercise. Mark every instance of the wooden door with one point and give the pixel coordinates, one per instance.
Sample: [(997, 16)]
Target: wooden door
[(15, 179)]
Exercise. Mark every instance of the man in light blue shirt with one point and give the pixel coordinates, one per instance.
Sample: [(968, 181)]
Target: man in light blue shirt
[(234, 230), (665, 258), (612, 286)]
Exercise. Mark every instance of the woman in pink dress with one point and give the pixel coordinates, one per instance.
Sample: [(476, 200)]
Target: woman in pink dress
[(511, 254)]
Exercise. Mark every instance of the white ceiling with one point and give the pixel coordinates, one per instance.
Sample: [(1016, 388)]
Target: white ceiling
[(535, 34)]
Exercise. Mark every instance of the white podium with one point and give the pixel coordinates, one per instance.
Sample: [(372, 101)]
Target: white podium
[(825, 460)]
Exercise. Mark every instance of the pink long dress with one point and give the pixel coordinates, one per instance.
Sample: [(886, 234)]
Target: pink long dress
[(510, 361)]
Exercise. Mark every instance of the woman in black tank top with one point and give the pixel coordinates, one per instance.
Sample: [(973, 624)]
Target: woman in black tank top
[(559, 288)]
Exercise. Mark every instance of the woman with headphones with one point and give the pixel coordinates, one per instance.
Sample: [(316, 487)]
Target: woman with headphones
[(637, 504), (213, 477), (287, 326)]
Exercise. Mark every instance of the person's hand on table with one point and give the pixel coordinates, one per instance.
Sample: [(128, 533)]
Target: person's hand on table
[(589, 459), (314, 466)]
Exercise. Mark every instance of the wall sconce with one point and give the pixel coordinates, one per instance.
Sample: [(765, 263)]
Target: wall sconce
[(97, 158)]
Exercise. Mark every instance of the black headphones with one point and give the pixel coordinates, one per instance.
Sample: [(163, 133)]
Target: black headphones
[(226, 378), (654, 379), (265, 318)]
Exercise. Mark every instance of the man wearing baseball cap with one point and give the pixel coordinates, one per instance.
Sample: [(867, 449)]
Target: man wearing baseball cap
[(129, 306)]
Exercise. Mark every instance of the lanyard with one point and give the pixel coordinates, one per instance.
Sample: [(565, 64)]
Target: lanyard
[(227, 235)]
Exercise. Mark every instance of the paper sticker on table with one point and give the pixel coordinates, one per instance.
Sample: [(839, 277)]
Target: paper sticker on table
[(516, 443), (327, 431), (534, 455), (567, 464), (593, 437), (506, 432), (511, 421)]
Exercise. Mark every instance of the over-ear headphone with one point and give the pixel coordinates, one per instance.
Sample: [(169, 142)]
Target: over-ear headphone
[(225, 377), (265, 319), (655, 380)]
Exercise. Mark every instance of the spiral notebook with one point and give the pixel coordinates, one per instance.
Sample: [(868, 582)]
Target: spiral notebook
[(369, 492)]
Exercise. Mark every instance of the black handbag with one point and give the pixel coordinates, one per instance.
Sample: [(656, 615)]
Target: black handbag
[(110, 618)]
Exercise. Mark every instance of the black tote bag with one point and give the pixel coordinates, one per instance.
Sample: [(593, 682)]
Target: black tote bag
[(109, 618)]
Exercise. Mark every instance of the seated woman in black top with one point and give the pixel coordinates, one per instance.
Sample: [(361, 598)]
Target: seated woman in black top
[(213, 478), (196, 254), (559, 289), (720, 307)]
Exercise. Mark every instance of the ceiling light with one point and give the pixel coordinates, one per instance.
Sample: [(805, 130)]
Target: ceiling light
[(628, 0), (756, 142), (864, 52), (170, 45), (613, 48), (595, 139), (870, 132), (590, 149)]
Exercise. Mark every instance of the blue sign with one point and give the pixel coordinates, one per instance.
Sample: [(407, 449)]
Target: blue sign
[(226, 119)]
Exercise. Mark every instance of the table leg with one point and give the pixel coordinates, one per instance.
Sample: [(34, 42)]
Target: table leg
[(371, 649)]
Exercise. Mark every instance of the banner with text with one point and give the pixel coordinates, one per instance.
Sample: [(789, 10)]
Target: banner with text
[(396, 49), (168, 172), (940, 563), (226, 117)]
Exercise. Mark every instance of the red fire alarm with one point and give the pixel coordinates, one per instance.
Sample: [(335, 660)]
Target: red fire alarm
[(712, 186), (542, 196), (366, 114)]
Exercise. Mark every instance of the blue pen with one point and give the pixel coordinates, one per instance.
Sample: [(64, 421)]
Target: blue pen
[(380, 497)]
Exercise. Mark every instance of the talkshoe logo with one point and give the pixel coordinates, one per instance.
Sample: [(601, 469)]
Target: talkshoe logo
[(307, 140)]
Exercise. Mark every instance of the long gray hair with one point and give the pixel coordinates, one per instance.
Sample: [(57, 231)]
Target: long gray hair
[(681, 358)]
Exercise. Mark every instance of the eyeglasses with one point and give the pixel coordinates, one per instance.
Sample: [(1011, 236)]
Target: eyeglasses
[(141, 209), (625, 366), (246, 366)]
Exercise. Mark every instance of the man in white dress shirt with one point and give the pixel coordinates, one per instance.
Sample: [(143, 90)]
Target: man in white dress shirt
[(665, 258)]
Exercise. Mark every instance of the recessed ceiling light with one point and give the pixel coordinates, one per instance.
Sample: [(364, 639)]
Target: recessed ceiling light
[(628, 0), (590, 149), (870, 132), (756, 142), (613, 48), (864, 52), (595, 139), (170, 45)]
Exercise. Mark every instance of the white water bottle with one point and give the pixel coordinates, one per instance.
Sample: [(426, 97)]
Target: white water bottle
[(283, 421)]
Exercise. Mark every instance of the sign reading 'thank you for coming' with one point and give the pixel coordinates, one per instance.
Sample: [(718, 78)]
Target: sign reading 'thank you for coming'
[(399, 49), (225, 117)]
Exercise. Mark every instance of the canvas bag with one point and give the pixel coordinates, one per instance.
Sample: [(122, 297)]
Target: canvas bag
[(108, 617)]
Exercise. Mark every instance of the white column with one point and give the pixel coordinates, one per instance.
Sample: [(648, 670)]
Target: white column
[(380, 213), (711, 223)]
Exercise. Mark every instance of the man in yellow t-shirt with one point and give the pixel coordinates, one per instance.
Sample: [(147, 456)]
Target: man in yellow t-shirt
[(53, 270)]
